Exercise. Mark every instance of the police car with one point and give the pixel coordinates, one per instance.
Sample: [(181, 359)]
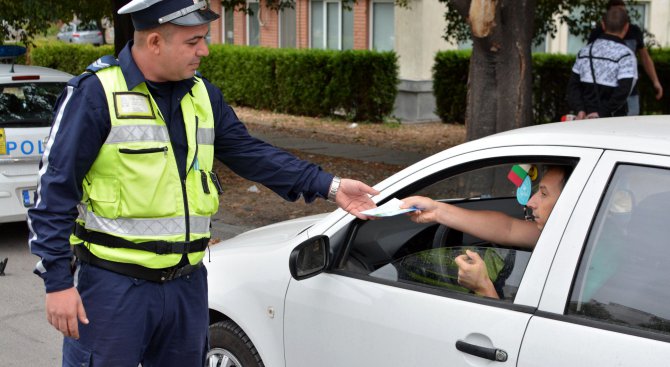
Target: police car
[(27, 97)]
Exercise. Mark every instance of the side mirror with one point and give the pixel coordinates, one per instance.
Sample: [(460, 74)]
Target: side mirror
[(309, 258)]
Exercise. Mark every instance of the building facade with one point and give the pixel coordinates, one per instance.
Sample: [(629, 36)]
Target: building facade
[(415, 33)]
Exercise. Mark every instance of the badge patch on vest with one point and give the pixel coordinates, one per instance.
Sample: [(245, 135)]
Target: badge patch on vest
[(133, 105)]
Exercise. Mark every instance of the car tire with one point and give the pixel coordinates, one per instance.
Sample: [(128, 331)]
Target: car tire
[(229, 346)]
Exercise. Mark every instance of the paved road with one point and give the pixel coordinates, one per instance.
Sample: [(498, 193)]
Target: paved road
[(26, 339)]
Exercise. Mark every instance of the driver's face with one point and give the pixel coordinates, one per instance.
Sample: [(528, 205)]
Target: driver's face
[(543, 201)]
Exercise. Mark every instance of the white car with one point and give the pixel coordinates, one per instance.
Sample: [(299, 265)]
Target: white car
[(27, 97), (332, 290), (80, 33)]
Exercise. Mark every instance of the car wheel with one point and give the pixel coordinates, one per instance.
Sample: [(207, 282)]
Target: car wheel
[(229, 346)]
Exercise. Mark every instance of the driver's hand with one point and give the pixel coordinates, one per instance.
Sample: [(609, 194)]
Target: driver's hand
[(426, 208), (472, 274)]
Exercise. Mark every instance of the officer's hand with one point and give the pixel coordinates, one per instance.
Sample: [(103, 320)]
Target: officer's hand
[(354, 197), (63, 309)]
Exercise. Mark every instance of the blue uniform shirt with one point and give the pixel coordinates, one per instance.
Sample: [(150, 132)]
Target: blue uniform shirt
[(80, 127)]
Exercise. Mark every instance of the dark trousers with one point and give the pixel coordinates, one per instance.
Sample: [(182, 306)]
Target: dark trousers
[(133, 321)]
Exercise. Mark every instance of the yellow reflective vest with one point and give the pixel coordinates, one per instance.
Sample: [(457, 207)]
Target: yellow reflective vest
[(133, 191)]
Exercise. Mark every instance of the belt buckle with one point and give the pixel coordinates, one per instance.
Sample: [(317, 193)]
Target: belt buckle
[(168, 275)]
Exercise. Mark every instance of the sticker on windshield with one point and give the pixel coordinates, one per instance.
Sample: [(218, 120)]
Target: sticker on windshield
[(133, 105), (3, 142)]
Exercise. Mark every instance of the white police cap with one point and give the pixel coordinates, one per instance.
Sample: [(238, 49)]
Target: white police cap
[(148, 14)]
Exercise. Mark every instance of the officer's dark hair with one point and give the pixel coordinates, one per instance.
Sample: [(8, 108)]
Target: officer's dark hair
[(615, 20)]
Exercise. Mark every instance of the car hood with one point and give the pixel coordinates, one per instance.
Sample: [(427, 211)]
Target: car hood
[(273, 233)]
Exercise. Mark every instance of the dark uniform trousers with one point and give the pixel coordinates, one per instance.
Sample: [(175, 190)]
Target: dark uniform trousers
[(124, 312)]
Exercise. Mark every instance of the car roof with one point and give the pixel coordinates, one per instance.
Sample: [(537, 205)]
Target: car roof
[(46, 74), (646, 134)]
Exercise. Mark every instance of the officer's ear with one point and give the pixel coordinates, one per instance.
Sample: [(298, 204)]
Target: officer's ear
[(153, 42)]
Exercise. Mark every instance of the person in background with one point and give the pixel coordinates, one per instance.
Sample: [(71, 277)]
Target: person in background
[(634, 39), (127, 184), (604, 72)]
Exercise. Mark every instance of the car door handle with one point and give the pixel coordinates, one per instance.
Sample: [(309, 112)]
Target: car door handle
[(493, 354)]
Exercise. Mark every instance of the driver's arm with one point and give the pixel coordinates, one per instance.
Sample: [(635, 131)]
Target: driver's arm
[(487, 225)]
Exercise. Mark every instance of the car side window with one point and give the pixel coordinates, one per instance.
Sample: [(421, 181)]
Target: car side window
[(623, 274), (396, 250)]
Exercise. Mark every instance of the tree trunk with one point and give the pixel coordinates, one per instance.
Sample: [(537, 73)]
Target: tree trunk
[(500, 80), (123, 27)]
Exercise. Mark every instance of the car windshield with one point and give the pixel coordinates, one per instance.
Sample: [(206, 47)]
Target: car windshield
[(28, 104), (88, 27)]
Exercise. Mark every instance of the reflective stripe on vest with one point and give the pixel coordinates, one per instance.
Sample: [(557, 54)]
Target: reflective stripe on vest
[(133, 133), (147, 227), (205, 136), (130, 133)]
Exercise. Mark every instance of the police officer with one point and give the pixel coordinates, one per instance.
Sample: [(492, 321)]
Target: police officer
[(127, 184)]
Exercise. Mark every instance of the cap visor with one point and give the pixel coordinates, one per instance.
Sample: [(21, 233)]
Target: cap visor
[(196, 18)]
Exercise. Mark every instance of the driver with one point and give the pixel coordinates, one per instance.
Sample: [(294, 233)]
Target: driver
[(492, 226)]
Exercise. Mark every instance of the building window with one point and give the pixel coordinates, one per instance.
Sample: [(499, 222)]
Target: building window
[(539, 48), (287, 28), (253, 24), (383, 34), (576, 42), (227, 26), (332, 25), (638, 14)]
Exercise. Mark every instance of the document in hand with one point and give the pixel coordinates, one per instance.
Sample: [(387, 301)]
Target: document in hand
[(389, 209)]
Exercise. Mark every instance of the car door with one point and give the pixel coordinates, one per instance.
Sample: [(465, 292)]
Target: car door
[(362, 313), (606, 298), (25, 118)]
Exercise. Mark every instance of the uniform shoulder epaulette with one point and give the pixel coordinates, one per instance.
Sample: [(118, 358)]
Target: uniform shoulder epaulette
[(102, 63), (99, 64)]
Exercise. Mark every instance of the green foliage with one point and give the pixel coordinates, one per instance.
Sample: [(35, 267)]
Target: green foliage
[(25, 19), (360, 84), (550, 80), (648, 102), (450, 84), (579, 15), (364, 84), (551, 73), (67, 57), (302, 78)]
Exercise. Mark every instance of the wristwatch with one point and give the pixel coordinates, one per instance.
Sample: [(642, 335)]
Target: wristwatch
[(334, 186)]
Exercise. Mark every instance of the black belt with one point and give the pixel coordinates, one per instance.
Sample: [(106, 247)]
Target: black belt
[(157, 247), (133, 270)]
